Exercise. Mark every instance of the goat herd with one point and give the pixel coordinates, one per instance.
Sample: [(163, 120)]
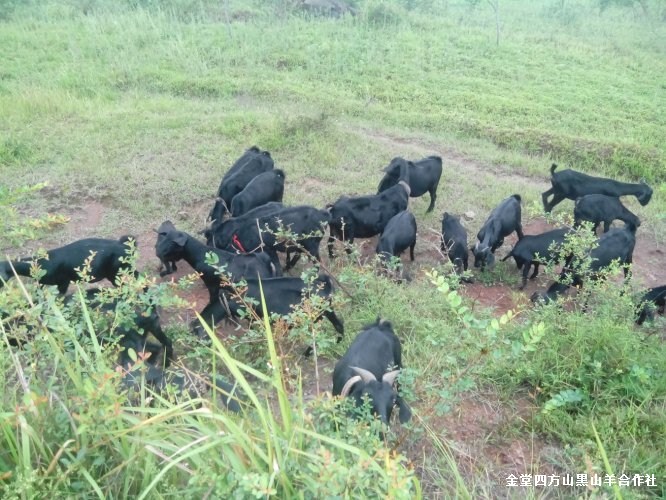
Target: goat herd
[(250, 225)]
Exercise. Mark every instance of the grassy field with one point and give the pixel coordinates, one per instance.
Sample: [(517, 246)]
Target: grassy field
[(137, 108)]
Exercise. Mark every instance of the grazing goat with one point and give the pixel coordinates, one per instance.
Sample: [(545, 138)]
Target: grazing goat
[(653, 298), (423, 177), (166, 266), (265, 187), (571, 184), (367, 216), (281, 296), (399, 234), (143, 321), (615, 245), (61, 264), (240, 163), (249, 233), (502, 221), (255, 163), (536, 249), (362, 371), (195, 386), (454, 241), (598, 208), (178, 245)]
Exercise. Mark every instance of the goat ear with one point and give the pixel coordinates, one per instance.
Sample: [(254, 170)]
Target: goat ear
[(366, 375), (390, 377), (179, 238)]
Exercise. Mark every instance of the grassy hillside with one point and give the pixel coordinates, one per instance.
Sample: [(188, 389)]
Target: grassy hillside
[(138, 107)]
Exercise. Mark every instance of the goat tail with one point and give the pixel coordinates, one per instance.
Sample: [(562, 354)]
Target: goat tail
[(552, 168), (510, 254)]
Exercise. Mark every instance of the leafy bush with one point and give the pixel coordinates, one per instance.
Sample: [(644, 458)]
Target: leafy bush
[(72, 430)]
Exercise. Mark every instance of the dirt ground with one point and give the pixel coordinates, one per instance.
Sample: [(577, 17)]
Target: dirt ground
[(473, 429)]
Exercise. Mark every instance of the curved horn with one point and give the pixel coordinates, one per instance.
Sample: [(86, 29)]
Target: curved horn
[(389, 377), (365, 374), (347, 387)]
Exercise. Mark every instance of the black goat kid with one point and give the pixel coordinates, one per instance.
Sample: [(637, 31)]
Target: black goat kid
[(399, 234), (454, 242)]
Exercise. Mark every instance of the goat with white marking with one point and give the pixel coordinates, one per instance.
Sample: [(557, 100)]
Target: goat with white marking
[(424, 177)]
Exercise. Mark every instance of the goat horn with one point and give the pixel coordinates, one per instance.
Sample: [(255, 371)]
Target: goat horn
[(347, 387), (389, 377), (365, 374)]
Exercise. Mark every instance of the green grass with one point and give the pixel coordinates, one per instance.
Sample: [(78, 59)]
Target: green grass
[(141, 106)]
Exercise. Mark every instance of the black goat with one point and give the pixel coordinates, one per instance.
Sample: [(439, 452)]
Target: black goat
[(502, 221), (166, 266), (178, 245), (653, 298), (191, 384), (61, 264), (281, 295), (367, 216), (362, 371), (454, 241), (424, 177), (399, 234), (240, 163), (265, 187), (134, 330), (526, 250), (571, 184), (249, 166), (598, 208), (615, 245), (249, 233)]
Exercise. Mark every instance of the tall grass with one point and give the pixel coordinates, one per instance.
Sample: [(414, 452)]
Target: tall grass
[(69, 428)]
